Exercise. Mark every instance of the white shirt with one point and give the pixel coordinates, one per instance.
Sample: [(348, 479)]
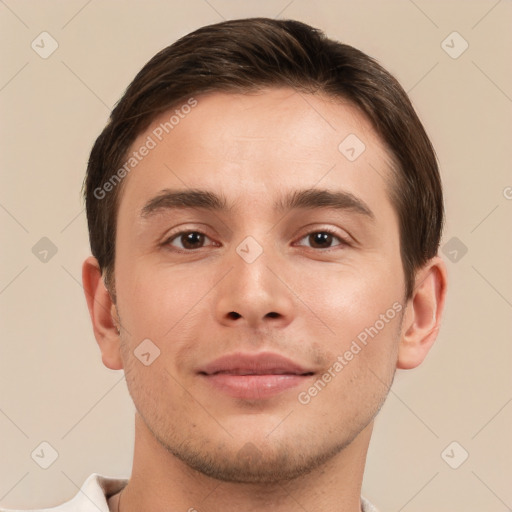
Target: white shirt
[(96, 490), (92, 496)]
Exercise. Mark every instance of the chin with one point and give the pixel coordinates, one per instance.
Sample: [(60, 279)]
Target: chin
[(256, 463)]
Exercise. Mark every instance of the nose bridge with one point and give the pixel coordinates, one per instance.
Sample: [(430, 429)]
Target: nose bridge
[(251, 293)]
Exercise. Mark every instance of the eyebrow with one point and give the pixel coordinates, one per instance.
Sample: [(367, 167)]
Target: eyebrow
[(169, 199), (323, 198)]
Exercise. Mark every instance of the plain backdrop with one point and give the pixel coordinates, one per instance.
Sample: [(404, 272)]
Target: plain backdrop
[(53, 386)]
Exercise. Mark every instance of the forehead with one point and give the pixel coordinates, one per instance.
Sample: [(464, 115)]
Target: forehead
[(253, 144)]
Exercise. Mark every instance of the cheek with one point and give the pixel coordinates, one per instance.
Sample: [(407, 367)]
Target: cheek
[(350, 299), (362, 312), (361, 355), (155, 390), (158, 302)]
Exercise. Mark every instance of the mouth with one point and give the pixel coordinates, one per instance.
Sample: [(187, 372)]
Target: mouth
[(254, 376)]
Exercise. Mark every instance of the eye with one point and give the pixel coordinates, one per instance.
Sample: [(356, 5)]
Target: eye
[(188, 240), (322, 240)]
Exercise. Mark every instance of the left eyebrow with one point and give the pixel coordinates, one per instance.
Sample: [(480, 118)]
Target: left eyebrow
[(324, 198)]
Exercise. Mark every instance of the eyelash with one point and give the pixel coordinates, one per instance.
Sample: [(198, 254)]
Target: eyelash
[(342, 240)]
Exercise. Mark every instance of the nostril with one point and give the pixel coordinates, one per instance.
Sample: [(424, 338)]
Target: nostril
[(234, 315), (272, 314)]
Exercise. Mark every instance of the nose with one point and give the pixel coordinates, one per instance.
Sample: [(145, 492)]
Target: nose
[(254, 294)]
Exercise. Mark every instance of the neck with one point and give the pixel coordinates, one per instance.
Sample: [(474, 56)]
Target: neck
[(161, 481)]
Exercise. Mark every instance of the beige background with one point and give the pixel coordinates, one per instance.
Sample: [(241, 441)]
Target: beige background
[(53, 386)]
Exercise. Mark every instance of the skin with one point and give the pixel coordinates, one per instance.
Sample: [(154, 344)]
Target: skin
[(198, 448)]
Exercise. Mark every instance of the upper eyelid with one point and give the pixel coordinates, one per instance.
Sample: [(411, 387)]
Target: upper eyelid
[(322, 230), (338, 232), (343, 239), (172, 234), (171, 238)]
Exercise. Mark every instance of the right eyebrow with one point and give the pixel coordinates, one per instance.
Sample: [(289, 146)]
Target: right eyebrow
[(193, 198)]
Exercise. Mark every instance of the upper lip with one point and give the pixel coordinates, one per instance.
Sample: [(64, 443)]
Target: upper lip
[(263, 363)]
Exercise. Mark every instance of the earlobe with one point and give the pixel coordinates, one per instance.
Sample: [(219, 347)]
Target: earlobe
[(103, 314), (422, 318)]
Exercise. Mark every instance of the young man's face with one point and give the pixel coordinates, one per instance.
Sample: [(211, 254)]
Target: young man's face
[(327, 288)]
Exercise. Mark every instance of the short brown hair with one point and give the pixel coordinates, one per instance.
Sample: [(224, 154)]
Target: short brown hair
[(245, 55)]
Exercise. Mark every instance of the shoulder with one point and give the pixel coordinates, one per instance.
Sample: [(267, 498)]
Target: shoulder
[(92, 496)]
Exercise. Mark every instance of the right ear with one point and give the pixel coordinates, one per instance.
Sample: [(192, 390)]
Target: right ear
[(103, 314)]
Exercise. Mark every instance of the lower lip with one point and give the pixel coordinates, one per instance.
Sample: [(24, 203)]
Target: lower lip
[(254, 387)]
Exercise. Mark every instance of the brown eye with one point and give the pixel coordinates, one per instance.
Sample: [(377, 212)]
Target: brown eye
[(192, 240), (321, 240), (188, 240)]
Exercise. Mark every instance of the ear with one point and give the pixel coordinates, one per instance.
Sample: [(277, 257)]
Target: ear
[(103, 314), (422, 318)]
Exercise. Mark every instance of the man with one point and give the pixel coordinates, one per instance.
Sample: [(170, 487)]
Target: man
[(265, 211)]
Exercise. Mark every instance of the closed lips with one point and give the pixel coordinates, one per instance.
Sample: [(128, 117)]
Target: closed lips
[(257, 372), (264, 363)]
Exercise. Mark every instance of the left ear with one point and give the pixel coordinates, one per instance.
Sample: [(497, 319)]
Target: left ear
[(422, 318)]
